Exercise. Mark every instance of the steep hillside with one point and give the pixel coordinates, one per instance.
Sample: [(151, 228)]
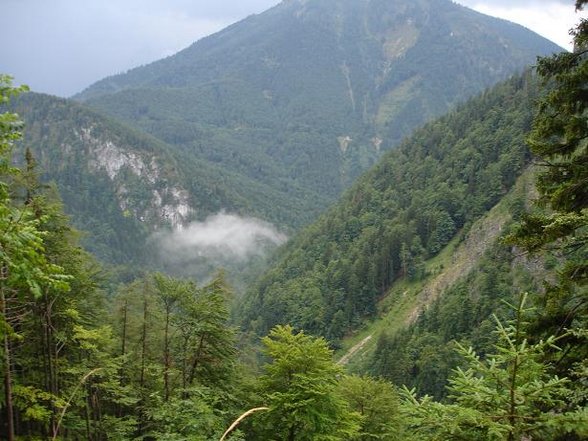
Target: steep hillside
[(421, 353), (308, 94), (119, 185), (404, 211), (411, 339)]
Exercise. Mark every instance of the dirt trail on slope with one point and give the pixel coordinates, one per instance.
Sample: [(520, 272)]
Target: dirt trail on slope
[(355, 349)]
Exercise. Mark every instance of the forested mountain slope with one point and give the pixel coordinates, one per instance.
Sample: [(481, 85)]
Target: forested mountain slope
[(120, 185), (412, 338), (416, 241), (305, 96), (403, 211)]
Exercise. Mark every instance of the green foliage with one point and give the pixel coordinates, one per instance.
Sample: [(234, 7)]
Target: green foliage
[(300, 388), (10, 123), (378, 404), (422, 354), (21, 244), (448, 174), (512, 394), (192, 417)]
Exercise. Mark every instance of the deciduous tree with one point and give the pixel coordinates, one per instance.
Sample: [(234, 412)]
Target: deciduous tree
[(300, 386)]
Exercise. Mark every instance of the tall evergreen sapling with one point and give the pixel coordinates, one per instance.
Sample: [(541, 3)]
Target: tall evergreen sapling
[(511, 395), (559, 139)]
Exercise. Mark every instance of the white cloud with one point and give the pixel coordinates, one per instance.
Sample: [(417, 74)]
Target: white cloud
[(221, 237), (549, 18)]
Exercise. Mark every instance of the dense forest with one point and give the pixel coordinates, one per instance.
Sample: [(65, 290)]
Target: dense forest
[(402, 212), (500, 354)]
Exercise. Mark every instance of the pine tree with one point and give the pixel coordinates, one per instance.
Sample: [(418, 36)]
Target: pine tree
[(559, 139), (511, 395)]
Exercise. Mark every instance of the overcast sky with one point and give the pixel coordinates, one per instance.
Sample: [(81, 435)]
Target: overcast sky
[(62, 46)]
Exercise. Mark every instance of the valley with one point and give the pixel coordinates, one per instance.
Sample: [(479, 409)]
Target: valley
[(331, 220)]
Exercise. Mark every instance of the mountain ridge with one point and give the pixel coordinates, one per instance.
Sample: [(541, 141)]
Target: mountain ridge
[(312, 93)]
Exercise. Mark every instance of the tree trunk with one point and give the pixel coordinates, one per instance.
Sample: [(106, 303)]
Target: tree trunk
[(184, 363), (292, 433), (196, 359), (6, 366), (166, 357), (141, 419), (87, 414), (124, 329), (50, 356), (123, 350), (143, 345)]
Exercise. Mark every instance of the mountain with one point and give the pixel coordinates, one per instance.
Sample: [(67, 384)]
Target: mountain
[(306, 96), (121, 185), (430, 190)]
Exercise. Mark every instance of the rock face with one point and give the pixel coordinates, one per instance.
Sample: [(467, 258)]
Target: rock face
[(168, 205), (118, 185)]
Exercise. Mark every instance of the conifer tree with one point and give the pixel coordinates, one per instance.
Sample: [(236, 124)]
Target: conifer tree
[(559, 139), (24, 267), (510, 395)]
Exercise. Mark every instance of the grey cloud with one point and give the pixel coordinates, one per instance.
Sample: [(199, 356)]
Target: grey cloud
[(62, 46), (219, 9), (213, 10)]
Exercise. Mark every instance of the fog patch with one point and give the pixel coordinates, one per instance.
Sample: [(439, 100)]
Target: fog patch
[(220, 240)]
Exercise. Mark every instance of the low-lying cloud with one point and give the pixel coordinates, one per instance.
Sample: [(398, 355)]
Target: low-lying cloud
[(220, 238)]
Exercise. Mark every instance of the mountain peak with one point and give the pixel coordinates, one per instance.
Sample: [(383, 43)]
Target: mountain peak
[(272, 96)]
